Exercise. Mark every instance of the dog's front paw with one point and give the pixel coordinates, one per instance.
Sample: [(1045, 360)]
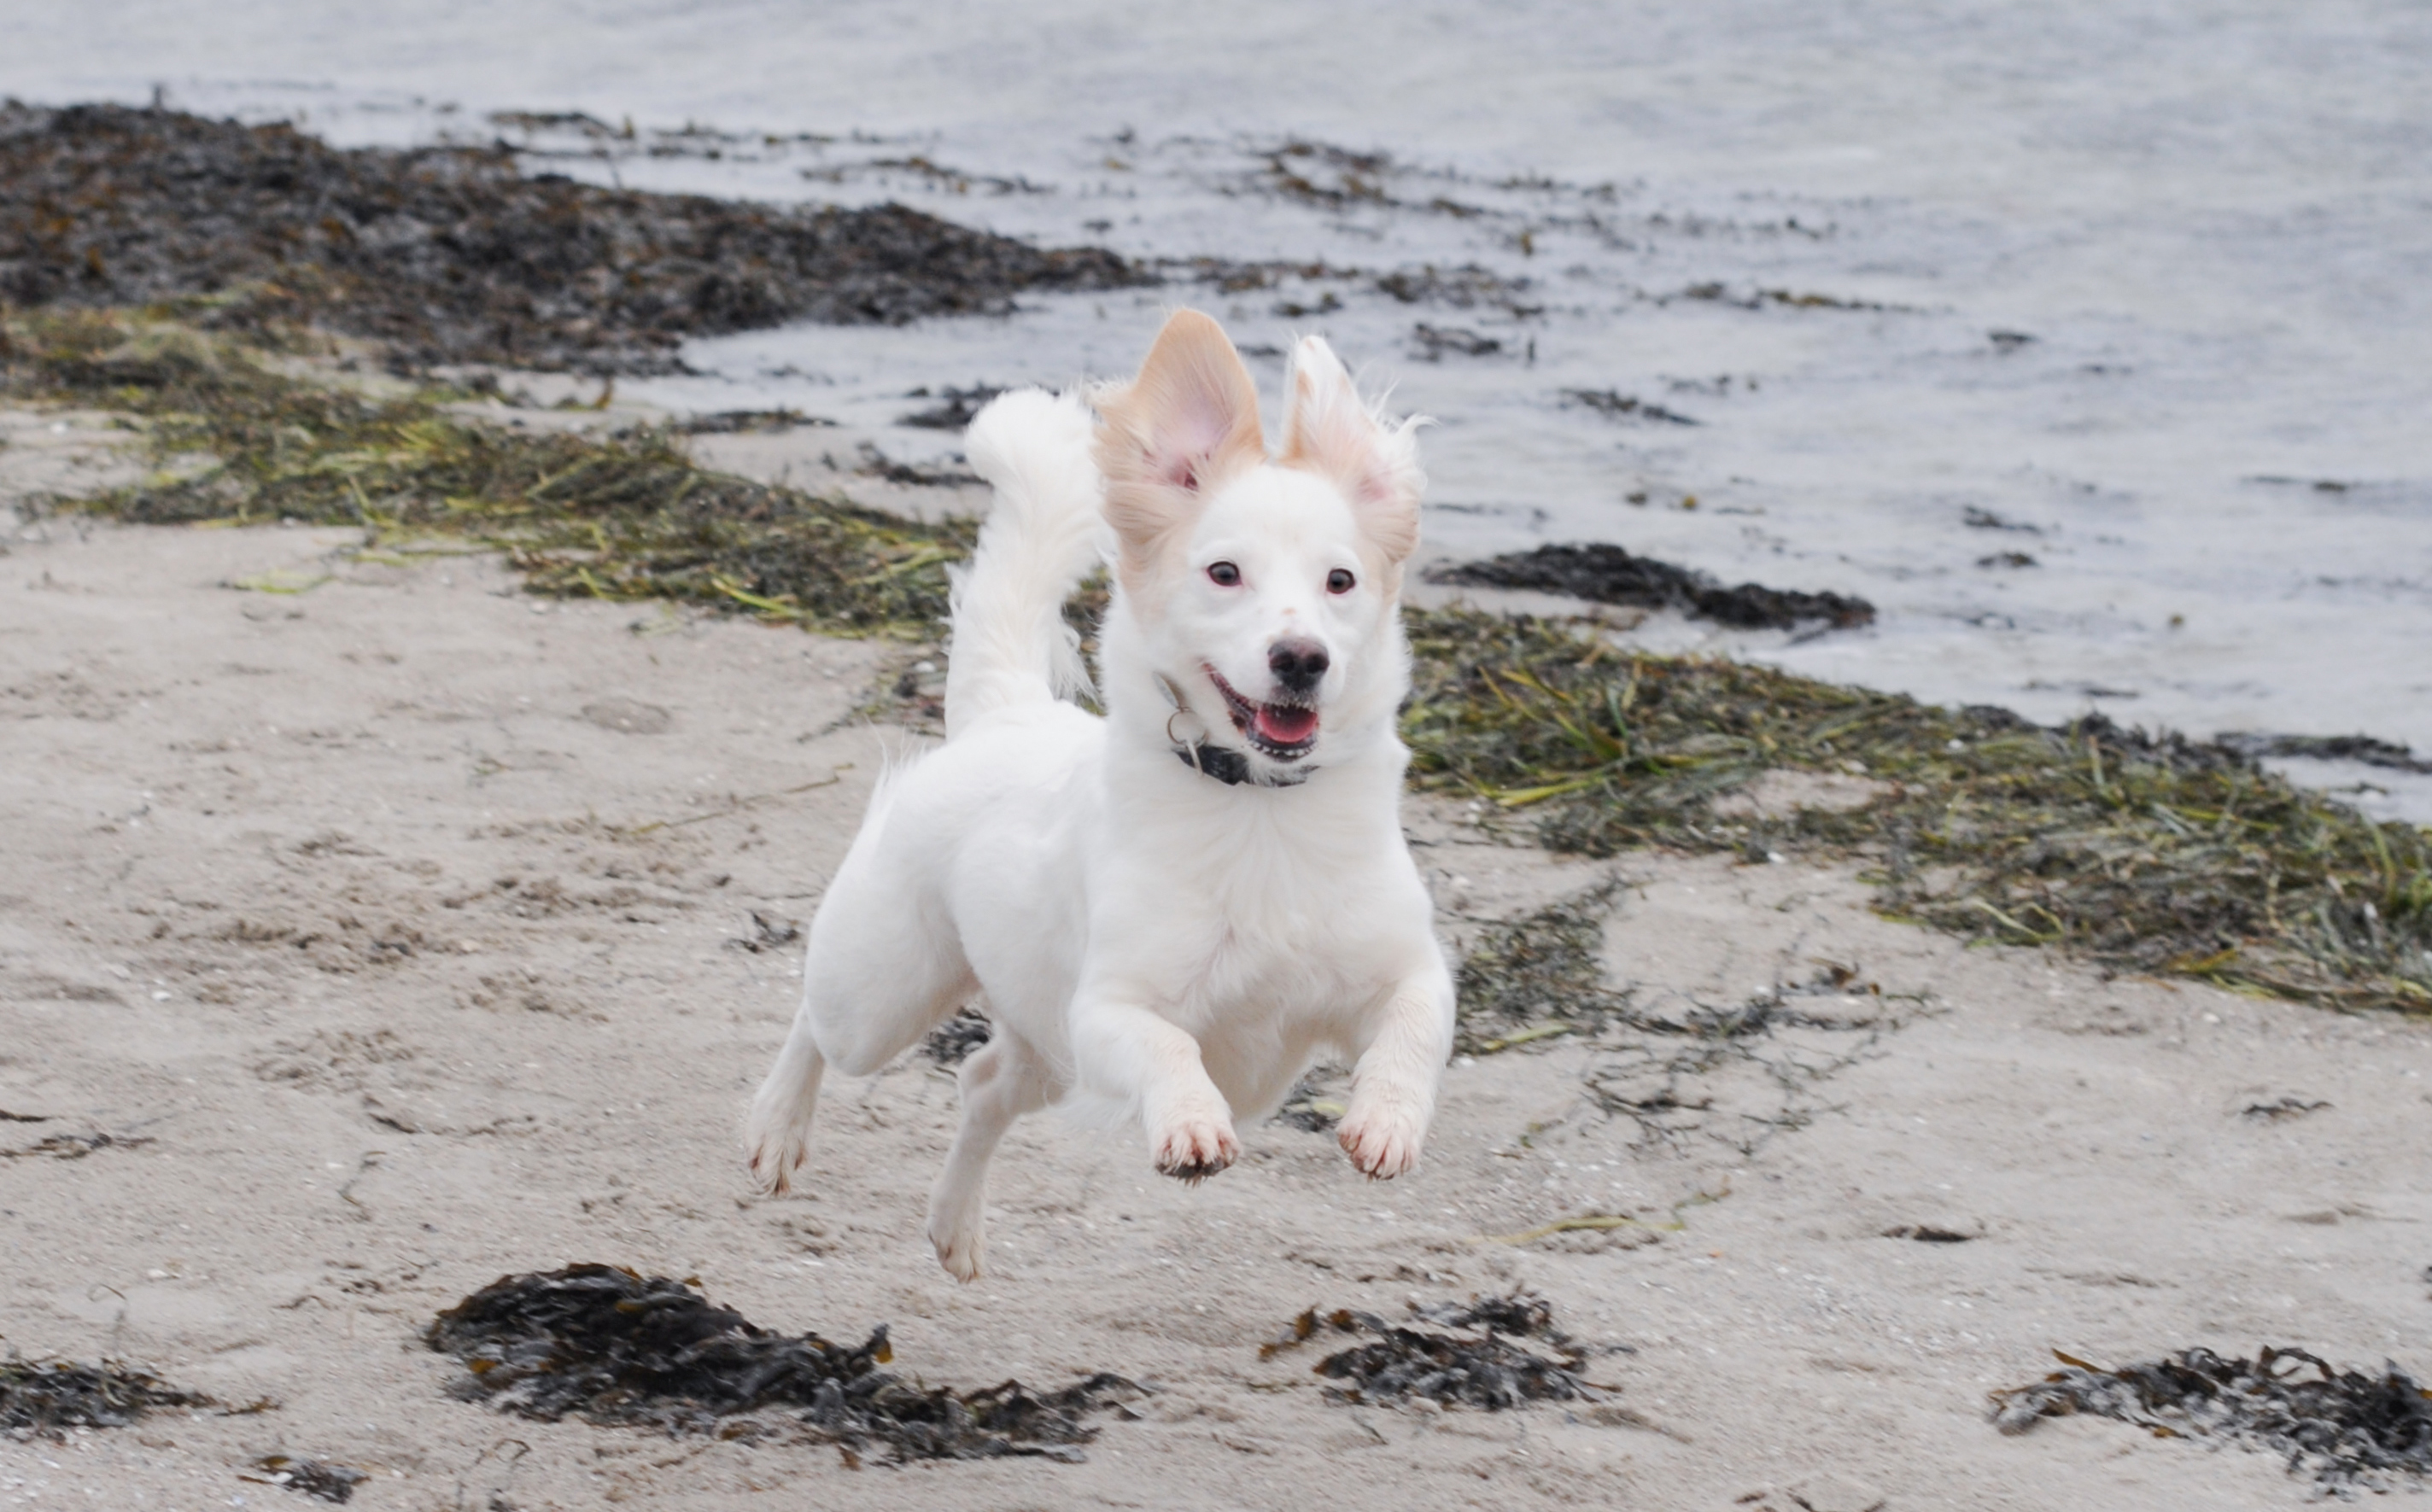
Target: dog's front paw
[(961, 1244), (774, 1154), (1193, 1147), (1383, 1141)]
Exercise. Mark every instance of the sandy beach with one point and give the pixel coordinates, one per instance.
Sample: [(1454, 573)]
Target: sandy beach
[(371, 929)]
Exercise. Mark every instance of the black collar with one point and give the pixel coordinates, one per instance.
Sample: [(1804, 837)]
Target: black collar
[(1232, 768)]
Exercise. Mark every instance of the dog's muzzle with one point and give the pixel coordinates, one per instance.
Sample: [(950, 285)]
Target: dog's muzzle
[(1226, 764)]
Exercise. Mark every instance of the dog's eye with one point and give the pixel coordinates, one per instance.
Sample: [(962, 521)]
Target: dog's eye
[(1339, 581), (1223, 575)]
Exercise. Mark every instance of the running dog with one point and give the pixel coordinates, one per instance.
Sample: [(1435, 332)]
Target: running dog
[(1170, 909)]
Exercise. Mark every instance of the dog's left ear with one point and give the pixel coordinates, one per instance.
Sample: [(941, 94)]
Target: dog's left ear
[(1330, 431), (1175, 434)]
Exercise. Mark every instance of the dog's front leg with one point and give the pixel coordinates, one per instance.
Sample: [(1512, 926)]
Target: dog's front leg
[(1131, 1053), (1394, 1085)]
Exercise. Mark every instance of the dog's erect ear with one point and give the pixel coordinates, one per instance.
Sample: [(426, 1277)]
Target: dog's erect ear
[(1187, 422), (1331, 432)]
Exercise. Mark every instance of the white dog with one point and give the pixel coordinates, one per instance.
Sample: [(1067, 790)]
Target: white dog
[(1170, 910)]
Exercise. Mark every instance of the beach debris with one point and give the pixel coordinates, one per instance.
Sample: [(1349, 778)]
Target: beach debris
[(2347, 1429), (2320, 485), (617, 1348), (1614, 405), (43, 1400), (622, 515), (768, 933), (1466, 287), (1322, 173), (73, 1146), (953, 1041), (2280, 1110), (1723, 293), (1507, 1353), (1738, 1072), (1825, 1492), (317, 1478), (747, 422), (876, 463), (451, 254), (1593, 1232), (1538, 976), (2388, 755), (954, 409), (1313, 1106), (1605, 574), (1434, 341), (2149, 852), (1927, 1234)]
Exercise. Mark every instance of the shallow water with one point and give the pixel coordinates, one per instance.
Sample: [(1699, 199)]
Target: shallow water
[(2212, 226)]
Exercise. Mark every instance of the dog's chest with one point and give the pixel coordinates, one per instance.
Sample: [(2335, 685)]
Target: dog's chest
[(1282, 951)]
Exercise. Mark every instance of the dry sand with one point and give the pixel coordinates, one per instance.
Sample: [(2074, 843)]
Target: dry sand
[(395, 932)]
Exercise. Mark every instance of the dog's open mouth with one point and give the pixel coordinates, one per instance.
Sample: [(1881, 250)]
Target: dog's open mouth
[(1283, 731)]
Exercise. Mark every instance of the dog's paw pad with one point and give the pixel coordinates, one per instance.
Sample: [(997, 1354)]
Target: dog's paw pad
[(1195, 1149)]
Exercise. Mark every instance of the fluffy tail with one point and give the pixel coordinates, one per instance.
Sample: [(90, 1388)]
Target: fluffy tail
[(1011, 645)]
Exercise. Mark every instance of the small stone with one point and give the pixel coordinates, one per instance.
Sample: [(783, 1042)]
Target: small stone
[(628, 716)]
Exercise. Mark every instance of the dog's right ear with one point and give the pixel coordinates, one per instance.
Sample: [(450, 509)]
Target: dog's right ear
[(1175, 434)]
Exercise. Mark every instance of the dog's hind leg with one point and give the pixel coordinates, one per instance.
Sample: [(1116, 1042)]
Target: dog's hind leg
[(1001, 1081), (879, 972), (778, 1134)]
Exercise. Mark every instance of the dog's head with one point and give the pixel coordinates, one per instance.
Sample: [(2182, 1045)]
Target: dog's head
[(1261, 590)]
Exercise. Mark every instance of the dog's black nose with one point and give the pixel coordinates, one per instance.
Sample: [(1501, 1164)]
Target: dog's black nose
[(1297, 664)]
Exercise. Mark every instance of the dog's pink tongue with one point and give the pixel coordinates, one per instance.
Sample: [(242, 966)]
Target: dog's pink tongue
[(1285, 725)]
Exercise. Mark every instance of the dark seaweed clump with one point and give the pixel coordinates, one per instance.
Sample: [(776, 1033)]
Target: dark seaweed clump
[(1605, 574), (2386, 754), (45, 1400), (1614, 404), (1311, 1107), (315, 1478), (953, 408), (617, 1348), (955, 1040), (1480, 1367), (2152, 853), (2346, 1428), (453, 254), (747, 423)]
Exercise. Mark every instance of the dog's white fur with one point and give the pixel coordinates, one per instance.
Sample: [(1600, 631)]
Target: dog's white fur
[(1148, 938)]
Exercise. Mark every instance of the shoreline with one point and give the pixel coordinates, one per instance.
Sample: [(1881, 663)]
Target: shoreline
[(2144, 852), (554, 294)]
